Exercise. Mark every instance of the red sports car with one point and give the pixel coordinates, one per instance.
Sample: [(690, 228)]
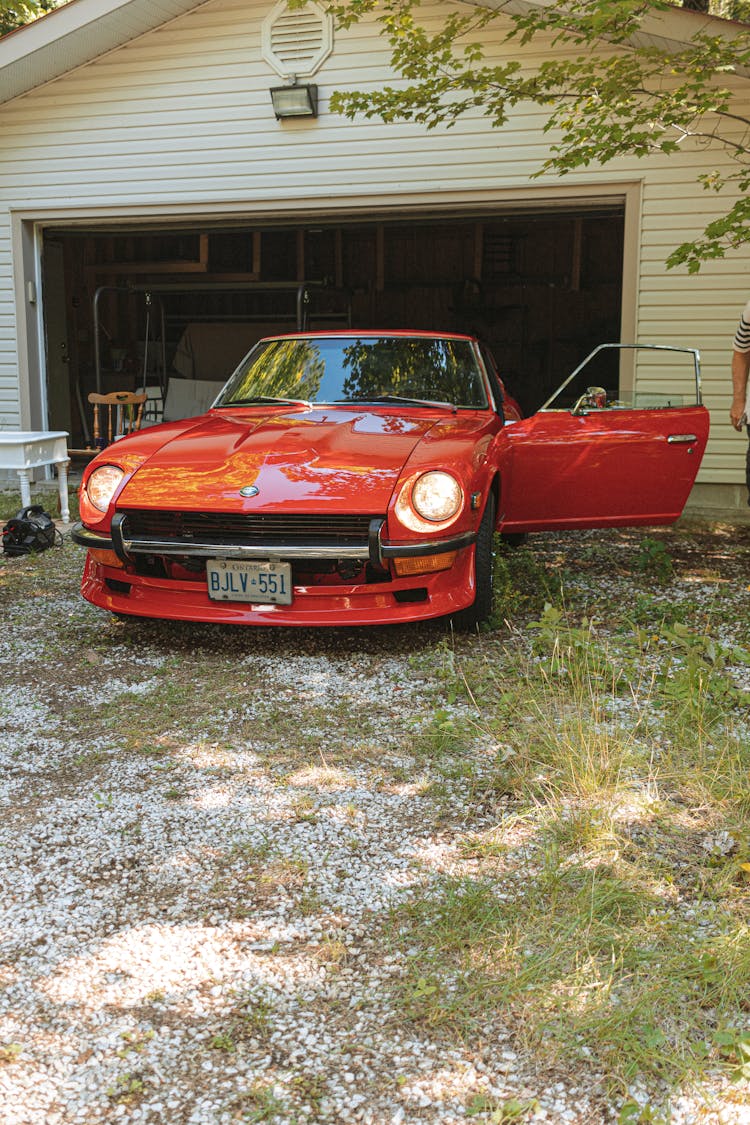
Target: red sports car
[(357, 478)]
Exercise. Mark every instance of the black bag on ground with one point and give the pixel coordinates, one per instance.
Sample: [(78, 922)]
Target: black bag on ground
[(30, 530)]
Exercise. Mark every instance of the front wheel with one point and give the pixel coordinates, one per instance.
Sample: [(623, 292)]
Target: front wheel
[(484, 572), (513, 538)]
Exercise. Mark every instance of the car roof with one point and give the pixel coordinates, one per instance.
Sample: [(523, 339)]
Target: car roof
[(358, 333)]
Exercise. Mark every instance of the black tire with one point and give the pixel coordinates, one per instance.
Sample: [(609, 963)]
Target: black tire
[(484, 571), (513, 538)]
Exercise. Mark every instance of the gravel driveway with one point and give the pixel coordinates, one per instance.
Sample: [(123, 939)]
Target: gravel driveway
[(205, 831)]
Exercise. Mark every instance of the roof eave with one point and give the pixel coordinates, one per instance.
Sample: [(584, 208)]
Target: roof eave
[(75, 34), (83, 30), (671, 30)]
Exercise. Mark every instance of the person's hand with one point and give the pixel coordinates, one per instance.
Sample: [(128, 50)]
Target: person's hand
[(737, 413)]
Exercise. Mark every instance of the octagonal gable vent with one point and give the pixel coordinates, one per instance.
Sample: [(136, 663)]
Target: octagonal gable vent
[(296, 42)]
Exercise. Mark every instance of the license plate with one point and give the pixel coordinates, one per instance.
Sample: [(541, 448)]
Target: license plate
[(263, 582)]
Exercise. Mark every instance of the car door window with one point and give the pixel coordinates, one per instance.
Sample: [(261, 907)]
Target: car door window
[(667, 376)]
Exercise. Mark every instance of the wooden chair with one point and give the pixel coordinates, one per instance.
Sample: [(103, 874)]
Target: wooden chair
[(124, 415)]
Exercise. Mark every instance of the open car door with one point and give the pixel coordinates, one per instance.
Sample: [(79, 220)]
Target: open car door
[(600, 463)]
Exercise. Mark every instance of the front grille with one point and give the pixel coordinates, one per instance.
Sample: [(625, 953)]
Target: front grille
[(235, 529)]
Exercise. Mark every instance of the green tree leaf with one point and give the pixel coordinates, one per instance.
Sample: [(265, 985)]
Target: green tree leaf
[(16, 13), (610, 89)]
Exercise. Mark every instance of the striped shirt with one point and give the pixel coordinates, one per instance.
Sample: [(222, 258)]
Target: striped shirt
[(742, 344), (742, 335)]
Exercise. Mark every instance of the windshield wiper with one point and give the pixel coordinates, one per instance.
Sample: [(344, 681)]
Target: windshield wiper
[(260, 400), (407, 401)]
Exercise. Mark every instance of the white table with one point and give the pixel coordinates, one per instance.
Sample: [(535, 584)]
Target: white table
[(24, 450)]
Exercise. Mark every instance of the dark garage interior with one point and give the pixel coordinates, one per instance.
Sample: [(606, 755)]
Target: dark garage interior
[(180, 305)]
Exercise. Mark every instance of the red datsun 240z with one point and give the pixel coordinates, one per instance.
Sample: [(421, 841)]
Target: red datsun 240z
[(359, 477)]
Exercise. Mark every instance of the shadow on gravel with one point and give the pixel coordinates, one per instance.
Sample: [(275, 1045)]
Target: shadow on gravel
[(243, 640)]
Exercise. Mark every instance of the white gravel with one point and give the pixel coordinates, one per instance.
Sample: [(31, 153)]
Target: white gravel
[(189, 935)]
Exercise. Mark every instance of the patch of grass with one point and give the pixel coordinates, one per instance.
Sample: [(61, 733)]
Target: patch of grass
[(288, 872), (484, 845), (46, 495), (332, 951), (9, 1052), (443, 736), (149, 749), (251, 851), (127, 1090), (134, 1041), (694, 681), (625, 753), (250, 1019), (633, 1113), (304, 808), (257, 1104), (654, 560), (91, 758), (223, 1041), (496, 1112), (589, 963), (524, 583), (253, 1019), (309, 1089), (587, 828), (310, 902), (656, 612)]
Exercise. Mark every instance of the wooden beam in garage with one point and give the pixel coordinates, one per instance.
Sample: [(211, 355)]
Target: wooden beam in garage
[(300, 255), (179, 266), (338, 252), (575, 265), (478, 250), (380, 258)]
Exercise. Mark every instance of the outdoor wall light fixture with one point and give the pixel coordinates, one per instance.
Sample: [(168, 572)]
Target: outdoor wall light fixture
[(295, 101)]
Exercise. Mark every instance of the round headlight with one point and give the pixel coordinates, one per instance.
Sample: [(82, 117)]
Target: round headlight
[(102, 484), (436, 496)]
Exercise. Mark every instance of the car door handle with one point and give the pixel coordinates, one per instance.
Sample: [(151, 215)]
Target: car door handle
[(681, 439)]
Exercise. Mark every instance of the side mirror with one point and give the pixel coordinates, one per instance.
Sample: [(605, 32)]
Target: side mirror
[(594, 398)]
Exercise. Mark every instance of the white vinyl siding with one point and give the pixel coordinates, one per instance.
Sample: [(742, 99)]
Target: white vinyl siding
[(9, 387), (179, 122)]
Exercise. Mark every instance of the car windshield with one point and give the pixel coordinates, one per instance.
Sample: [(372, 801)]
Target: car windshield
[(406, 370)]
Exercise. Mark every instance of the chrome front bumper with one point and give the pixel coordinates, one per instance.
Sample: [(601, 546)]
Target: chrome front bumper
[(374, 551)]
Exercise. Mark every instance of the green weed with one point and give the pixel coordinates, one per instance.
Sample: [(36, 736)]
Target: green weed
[(128, 1089), (523, 584), (257, 1104), (654, 560), (495, 1112), (443, 736), (223, 1041), (134, 1041)]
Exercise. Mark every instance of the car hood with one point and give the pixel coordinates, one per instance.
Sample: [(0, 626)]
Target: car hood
[(296, 459)]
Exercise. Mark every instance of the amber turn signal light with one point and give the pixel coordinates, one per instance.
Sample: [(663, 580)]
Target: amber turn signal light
[(106, 558), (423, 564)]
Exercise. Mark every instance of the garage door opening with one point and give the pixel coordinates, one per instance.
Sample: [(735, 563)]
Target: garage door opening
[(173, 305)]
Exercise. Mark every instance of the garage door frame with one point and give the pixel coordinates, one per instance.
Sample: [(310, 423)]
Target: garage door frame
[(27, 232)]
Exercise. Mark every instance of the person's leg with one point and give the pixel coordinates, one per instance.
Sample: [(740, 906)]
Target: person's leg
[(747, 467)]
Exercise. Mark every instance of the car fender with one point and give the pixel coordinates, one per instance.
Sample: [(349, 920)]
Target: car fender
[(129, 454), (463, 446)]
